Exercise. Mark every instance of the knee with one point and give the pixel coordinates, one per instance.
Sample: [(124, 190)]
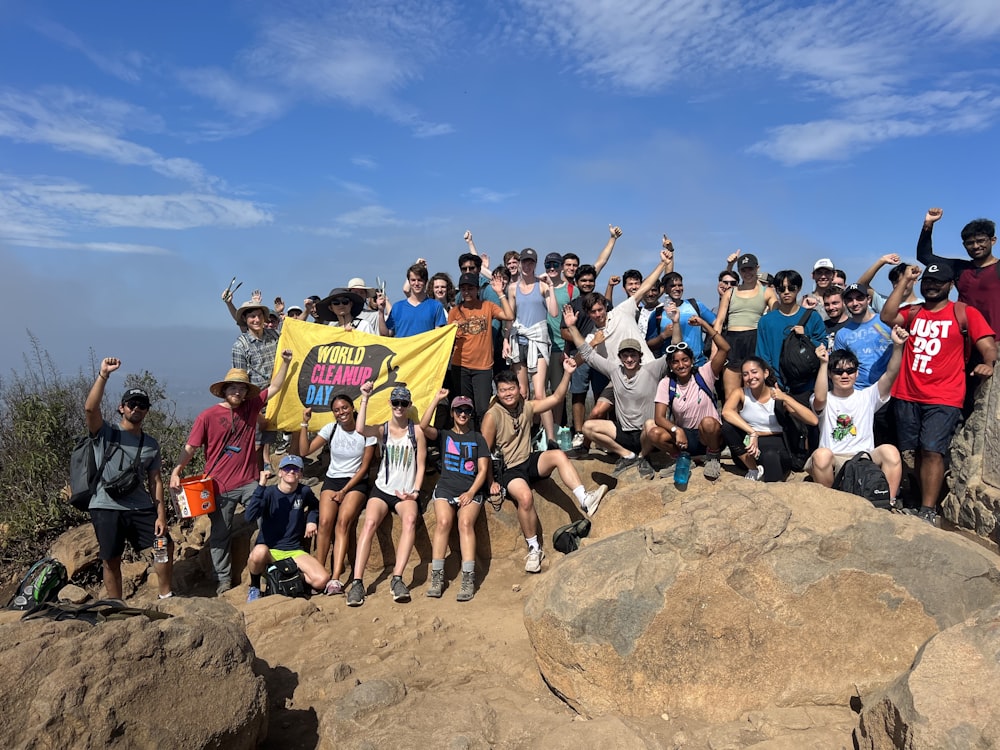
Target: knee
[(408, 521), (709, 426), (259, 555), (466, 525), (822, 459)]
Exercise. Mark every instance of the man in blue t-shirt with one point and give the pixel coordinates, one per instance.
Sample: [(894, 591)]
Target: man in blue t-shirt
[(673, 285), (867, 337), (417, 313)]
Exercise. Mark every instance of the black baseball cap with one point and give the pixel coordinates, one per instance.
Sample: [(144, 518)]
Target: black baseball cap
[(137, 394)]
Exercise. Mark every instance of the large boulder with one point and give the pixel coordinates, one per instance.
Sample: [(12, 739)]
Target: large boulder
[(949, 700), (748, 596), (973, 500), (185, 681)]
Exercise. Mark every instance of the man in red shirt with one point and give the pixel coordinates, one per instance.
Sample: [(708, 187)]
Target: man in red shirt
[(931, 385), (227, 430)]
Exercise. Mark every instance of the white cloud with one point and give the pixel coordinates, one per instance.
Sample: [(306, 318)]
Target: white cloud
[(125, 66), (89, 125), (369, 216), (485, 195), (365, 162), (233, 96)]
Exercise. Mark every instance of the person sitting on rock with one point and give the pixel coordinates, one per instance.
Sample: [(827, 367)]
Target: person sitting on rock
[(288, 513), (687, 394), (753, 425), (397, 487), (465, 470), (847, 416), (507, 429)]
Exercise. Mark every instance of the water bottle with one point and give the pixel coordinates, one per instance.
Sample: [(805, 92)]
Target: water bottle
[(564, 439), (160, 552), (682, 470)]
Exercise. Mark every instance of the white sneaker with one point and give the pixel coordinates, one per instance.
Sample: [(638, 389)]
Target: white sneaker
[(533, 562), (755, 475), (592, 500), (578, 441)]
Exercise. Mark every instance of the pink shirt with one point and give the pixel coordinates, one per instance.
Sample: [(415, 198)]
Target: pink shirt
[(691, 404)]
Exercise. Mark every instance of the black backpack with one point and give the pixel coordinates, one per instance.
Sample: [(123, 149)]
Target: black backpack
[(284, 577), (40, 584), (861, 476), (567, 538), (798, 363), (84, 474)]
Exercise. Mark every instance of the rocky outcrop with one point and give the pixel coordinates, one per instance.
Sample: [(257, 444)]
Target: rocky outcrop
[(788, 595), (948, 700), (185, 681)]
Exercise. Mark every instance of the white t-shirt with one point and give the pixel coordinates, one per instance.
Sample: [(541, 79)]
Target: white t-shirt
[(845, 424), (347, 449)]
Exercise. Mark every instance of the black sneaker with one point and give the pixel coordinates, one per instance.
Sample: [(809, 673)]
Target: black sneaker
[(356, 593), (622, 465), (399, 591), (929, 515)]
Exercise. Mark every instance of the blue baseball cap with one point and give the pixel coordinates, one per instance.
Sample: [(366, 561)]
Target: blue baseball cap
[(291, 460)]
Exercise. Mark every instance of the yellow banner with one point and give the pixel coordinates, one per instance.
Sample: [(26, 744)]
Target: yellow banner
[(327, 360)]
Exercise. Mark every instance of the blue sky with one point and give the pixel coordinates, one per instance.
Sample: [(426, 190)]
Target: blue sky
[(150, 151)]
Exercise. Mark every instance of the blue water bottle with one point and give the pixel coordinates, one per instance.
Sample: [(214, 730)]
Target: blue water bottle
[(563, 439), (682, 471)]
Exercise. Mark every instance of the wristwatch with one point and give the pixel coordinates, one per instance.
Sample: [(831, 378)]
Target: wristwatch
[(674, 429)]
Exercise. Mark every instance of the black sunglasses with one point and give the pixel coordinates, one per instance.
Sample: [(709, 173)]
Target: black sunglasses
[(553, 265), (134, 404), (340, 301), (399, 402), (463, 410), (844, 370)]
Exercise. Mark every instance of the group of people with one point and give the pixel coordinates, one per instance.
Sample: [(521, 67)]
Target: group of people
[(777, 376)]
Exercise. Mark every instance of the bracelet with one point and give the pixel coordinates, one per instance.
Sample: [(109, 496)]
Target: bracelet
[(102, 375), (304, 424)]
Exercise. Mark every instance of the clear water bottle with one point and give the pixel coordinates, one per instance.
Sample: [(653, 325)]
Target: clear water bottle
[(564, 439), (160, 552), (682, 470)]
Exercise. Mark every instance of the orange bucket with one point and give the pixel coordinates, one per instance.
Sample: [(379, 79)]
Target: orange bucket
[(197, 496)]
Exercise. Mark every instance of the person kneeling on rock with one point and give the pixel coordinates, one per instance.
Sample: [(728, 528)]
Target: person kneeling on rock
[(288, 513)]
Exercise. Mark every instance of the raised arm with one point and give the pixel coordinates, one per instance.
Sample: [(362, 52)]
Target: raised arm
[(899, 336), (278, 378), (720, 317), (605, 255), (869, 274), (822, 387), (558, 396), (92, 406), (425, 421), (890, 314), (609, 290), (666, 259), (925, 245), (569, 325), (361, 427)]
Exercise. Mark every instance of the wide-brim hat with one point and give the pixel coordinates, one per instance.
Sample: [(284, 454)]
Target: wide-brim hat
[(323, 311), (359, 283), (246, 307), (235, 376)]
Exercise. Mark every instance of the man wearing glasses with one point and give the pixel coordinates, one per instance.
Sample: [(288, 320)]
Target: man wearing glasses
[(289, 514), (673, 286), (131, 510)]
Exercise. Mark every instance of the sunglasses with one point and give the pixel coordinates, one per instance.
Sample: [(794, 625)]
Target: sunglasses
[(844, 370), (292, 469), (399, 403), (133, 404), (468, 269), (681, 347), (727, 282), (340, 301), (551, 266), (464, 410)]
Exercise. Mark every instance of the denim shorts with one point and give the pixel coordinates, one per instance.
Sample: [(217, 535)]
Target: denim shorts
[(929, 427)]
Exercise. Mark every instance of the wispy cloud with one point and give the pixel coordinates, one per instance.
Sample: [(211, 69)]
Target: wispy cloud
[(75, 122), (46, 212), (844, 56), (369, 216), (235, 97), (485, 195), (125, 66), (365, 162), (361, 54)]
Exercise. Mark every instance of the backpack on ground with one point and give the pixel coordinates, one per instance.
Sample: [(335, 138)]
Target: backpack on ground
[(84, 473), (861, 476), (798, 362), (284, 577), (40, 584), (100, 611), (567, 538)]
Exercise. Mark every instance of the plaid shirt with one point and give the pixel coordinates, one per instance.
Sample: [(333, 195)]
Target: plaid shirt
[(256, 356)]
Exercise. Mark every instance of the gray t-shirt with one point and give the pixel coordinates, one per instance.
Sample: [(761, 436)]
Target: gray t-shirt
[(121, 458)]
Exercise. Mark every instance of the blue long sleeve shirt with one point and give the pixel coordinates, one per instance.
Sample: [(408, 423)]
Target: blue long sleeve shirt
[(772, 330), (283, 518)]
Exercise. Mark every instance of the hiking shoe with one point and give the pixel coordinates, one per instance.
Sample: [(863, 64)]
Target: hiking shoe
[(468, 589), (533, 562), (592, 500), (929, 515), (622, 464), (646, 470), (356, 593), (399, 591), (713, 468), (253, 594), (437, 584), (334, 588), (577, 441), (755, 475)]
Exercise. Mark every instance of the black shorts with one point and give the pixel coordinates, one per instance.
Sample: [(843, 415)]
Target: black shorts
[(742, 344), (390, 500), (334, 484), (528, 471), (114, 527), (629, 439)]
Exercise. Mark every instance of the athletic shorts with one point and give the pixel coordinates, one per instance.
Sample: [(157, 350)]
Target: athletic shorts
[(742, 344), (283, 554), (929, 427), (839, 459), (629, 439), (695, 447), (453, 501), (390, 500), (528, 471), (585, 375), (114, 527), (335, 484)]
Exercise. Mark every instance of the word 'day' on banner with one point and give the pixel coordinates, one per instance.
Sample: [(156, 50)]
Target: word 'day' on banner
[(327, 360)]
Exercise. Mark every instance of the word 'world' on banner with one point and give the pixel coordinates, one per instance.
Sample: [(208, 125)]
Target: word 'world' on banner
[(327, 360)]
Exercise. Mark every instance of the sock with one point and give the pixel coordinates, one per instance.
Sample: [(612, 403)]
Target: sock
[(165, 596), (630, 456), (468, 566), (580, 493), (255, 580), (437, 564), (532, 543)]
